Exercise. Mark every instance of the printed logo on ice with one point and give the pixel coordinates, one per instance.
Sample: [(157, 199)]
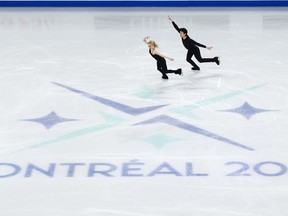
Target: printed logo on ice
[(245, 110)]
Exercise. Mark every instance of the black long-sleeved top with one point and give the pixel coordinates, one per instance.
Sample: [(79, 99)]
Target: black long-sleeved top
[(188, 42)]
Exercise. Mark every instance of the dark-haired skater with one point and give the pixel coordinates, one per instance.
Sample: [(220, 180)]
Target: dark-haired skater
[(160, 58), (193, 48)]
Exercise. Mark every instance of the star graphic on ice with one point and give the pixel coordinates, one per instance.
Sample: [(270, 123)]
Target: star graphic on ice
[(247, 110), (50, 120), (159, 140)]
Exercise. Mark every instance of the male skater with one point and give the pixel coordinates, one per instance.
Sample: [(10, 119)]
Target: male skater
[(193, 48)]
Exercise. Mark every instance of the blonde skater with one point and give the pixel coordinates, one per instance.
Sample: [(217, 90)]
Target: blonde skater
[(160, 58)]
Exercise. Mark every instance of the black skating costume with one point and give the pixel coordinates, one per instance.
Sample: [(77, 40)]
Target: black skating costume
[(193, 49)]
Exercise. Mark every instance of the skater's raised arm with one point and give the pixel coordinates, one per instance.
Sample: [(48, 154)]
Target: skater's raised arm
[(174, 24)]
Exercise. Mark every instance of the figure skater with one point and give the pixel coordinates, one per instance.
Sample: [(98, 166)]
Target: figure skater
[(192, 47), (160, 58)]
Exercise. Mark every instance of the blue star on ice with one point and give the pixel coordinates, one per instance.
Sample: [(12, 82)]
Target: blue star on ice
[(247, 110), (50, 120)]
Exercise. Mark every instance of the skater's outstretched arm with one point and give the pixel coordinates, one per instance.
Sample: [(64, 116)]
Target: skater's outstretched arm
[(152, 46), (192, 41), (201, 45), (156, 52), (173, 23)]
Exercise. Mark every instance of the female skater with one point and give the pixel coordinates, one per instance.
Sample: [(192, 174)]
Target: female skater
[(160, 58), (192, 47)]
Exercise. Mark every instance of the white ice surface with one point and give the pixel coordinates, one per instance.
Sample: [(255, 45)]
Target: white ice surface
[(100, 54)]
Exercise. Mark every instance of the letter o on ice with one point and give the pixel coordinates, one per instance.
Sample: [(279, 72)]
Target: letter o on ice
[(259, 168), (8, 170)]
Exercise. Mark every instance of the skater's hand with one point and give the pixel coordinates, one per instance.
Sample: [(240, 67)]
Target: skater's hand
[(209, 47), (171, 59), (146, 39), (170, 18)]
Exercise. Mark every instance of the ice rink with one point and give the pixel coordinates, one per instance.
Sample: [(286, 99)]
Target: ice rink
[(89, 128)]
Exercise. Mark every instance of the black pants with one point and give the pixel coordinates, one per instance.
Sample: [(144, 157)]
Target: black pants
[(162, 67), (196, 51)]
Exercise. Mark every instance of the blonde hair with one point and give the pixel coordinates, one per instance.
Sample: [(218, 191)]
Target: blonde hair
[(153, 43)]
